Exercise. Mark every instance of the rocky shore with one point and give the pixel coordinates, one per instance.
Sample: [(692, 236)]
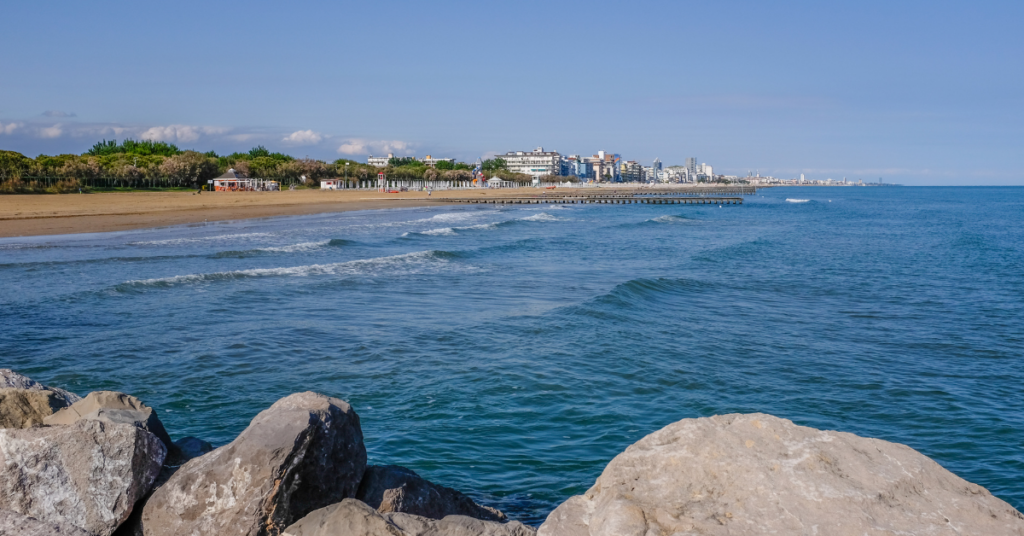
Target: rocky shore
[(104, 465)]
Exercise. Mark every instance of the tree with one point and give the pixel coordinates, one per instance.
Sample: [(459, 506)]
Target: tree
[(444, 165), (396, 161), (495, 164), (189, 167), (130, 146)]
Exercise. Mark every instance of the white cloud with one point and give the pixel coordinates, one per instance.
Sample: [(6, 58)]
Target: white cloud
[(380, 147), (51, 132), (172, 133), (303, 137), (58, 113), (8, 128)]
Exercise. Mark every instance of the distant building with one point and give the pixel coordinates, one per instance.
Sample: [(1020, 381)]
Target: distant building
[(691, 166), (606, 166), (631, 171), (537, 162), (379, 161), (431, 162)]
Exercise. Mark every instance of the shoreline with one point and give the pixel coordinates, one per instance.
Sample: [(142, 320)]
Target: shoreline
[(61, 214)]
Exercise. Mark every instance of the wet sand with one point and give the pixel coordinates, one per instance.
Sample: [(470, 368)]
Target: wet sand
[(51, 214)]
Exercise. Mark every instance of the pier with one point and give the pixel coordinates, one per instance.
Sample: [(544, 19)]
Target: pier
[(603, 200)]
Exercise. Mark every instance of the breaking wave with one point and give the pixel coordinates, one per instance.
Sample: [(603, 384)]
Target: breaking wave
[(192, 240), (668, 218), (542, 216), (406, 264), (797, 200)]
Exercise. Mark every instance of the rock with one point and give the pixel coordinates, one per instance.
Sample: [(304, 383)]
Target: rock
[(11, 379), (192, 447), (413, 525), (13, 523), (111, 406), (390, 488), (759, 474), (303, 453), (352, 517), (88, 475), (25, 408)]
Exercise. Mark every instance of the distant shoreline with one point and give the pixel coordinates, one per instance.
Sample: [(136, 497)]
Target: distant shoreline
[(40, 215), (60, 214)]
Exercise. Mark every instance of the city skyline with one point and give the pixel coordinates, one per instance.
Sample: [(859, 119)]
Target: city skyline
[(917, 93)]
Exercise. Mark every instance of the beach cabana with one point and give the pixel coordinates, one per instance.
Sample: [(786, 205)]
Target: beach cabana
[(231, 181)]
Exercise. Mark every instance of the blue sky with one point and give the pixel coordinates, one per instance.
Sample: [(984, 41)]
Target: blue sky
[(914, 92)]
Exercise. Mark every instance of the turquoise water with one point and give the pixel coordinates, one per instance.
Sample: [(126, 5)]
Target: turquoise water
[(512, 352)]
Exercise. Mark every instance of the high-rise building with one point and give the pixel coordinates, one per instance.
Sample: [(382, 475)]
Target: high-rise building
[(691, 166)]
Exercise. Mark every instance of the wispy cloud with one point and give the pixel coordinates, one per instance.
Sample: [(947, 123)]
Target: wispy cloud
[(51, 132), (180, 133), (58, 113), (8, 128), (303, 137), (361, 146)]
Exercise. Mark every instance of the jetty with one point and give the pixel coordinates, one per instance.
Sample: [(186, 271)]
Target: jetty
[(606, 196)]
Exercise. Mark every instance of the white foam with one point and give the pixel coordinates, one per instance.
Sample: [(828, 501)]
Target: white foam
[(444, 231), (305, 246), (797, 200), (175, 241), (451, 216), (492, 225), (543, 216), (408, 263), (667, 218)]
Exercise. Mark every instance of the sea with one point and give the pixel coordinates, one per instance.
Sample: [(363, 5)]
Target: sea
[(512, 352)]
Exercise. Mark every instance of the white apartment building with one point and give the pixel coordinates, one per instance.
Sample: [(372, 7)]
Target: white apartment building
[(379, 161), (537, 162), (431, 161)]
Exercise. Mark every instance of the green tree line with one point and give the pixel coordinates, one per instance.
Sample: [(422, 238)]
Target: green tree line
[(147, 164)]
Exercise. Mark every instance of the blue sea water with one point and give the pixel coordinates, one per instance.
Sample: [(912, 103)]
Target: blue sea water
[(512, 352)]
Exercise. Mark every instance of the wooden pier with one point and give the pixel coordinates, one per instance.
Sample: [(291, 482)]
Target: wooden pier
[(610, 199)]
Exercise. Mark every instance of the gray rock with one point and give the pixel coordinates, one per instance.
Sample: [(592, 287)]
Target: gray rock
[(303, 453), (759, 474), (352, 517), (11, 379), (390, 488), (25, 408), (111, 406), (88, 475), (13, 523), (413, 525)]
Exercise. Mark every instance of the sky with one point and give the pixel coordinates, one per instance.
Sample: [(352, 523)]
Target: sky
[(913, 92)]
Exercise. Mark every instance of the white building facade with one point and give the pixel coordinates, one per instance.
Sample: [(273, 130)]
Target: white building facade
[(537, 162)]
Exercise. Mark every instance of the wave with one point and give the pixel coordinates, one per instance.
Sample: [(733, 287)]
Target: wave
[(797, 200), (542, 216), (304, 246), (406, 264), (192, 240), (668, 218)]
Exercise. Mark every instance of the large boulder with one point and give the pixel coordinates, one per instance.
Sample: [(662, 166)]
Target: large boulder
[(111, 406), (390, 488), (25, 408), (303, 453), (352, 517), (15, 524), (13, 380), (759, 474), (88, 475)]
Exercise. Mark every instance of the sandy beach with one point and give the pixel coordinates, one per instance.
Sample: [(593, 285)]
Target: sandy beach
[(53, 214)]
